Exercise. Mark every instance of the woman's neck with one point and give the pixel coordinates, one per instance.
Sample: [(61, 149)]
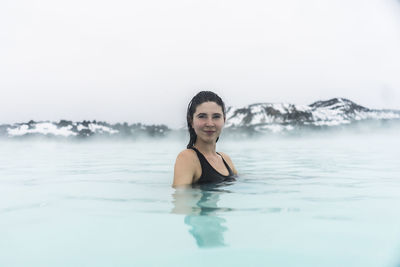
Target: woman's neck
[(205, 148)]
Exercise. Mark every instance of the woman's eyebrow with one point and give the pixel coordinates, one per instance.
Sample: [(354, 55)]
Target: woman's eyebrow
[(203, 113)]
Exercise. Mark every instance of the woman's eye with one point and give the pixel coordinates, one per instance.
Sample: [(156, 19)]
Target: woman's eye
[(217, 117)]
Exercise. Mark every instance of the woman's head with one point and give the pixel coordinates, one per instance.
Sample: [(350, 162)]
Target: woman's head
[(209, 120)]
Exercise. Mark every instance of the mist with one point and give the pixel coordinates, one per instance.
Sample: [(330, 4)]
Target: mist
[(143, 61)]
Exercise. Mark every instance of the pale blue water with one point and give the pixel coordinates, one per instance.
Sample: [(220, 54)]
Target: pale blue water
[(318, 201)]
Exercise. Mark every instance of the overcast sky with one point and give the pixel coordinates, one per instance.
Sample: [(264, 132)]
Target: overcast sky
[(142, 61)]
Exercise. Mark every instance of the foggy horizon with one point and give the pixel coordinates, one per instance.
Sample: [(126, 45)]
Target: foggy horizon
[(144, 123)]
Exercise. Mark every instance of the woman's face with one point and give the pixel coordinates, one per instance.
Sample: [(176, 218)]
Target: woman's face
[(208, 121)]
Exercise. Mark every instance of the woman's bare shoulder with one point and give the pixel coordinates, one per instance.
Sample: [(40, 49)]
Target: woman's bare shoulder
[(226, 157), (185, 168), (187, 154)]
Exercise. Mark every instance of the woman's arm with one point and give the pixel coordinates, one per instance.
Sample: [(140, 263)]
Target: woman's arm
[(184, 169)]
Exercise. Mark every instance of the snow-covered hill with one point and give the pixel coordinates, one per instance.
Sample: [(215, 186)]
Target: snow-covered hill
[(83, 129), (286, 117)]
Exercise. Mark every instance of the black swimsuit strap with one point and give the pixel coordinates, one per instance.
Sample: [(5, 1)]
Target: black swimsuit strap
[(226, 164)]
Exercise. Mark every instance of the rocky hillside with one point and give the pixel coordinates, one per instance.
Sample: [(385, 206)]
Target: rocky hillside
[(279, 117), (83, 129)]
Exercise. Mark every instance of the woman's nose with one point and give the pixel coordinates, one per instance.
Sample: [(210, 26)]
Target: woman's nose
[(209, 121)]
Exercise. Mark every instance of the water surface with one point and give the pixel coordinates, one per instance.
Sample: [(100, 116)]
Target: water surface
[(312, 201)]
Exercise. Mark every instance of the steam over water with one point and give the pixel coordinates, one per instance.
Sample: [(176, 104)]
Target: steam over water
[(312, 201)]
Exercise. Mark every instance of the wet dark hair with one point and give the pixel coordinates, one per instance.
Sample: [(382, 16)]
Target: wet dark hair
[(201, 97)]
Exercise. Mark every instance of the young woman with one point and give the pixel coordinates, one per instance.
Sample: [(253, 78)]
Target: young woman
[(200, 163)]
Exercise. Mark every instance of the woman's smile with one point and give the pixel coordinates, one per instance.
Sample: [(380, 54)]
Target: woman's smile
[(209, 132)]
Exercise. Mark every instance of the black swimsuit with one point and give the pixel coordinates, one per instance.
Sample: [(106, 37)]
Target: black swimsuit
[(209, 174)]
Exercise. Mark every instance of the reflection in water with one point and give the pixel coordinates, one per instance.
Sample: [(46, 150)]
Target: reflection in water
[(199, 203)]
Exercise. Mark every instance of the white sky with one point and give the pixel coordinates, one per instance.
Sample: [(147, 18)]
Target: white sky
[(142, 61)]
